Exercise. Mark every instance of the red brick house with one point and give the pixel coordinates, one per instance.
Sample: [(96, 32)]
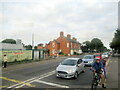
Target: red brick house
[(65, 45)]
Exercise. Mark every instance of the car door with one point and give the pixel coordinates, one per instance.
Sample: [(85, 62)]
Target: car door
[(80, 65)]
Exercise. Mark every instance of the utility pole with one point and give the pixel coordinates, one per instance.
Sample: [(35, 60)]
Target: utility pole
[(33, 41), (33, 46)]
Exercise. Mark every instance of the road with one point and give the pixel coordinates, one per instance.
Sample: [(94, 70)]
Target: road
[(42, 75)]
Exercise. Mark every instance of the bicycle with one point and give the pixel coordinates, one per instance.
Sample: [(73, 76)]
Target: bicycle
[(96, 81)]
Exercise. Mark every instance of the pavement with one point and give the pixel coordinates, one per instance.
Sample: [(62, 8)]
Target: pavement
[(42, 75), (113, 73)]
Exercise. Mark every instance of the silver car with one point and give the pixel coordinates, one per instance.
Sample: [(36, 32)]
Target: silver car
[(70, 68), (88, 60), (105, 55)]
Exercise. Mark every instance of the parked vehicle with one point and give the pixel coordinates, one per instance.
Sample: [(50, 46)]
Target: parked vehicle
[(70, 68), (88, 60), (98, 56), (105, 55)]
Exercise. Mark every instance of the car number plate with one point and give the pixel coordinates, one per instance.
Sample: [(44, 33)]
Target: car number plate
[(62, 75)]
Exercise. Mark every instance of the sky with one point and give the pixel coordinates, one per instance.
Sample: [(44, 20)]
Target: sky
[(83, 19)]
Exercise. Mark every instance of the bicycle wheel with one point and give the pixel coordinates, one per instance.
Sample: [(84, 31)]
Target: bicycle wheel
[(94, 85)]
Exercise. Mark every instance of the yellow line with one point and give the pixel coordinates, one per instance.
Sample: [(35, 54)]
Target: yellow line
[(3, 86), (16, 81)]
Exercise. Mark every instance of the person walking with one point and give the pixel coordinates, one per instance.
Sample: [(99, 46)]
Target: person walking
[(5, 61)]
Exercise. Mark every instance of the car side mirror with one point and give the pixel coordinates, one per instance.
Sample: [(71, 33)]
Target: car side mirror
[(77, 65), (81, 60)]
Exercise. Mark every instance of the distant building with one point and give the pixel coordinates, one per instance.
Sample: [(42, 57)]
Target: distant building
[(40, 46), (17, 46), (66, 45)]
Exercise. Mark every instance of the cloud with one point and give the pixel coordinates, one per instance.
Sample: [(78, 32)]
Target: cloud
[(46, 18)]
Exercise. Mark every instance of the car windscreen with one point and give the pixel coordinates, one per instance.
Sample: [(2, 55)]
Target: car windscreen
[(69, 62), (88, 57), (97, 55)]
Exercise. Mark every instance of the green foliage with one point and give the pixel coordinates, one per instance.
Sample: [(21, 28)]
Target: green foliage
[(11, 41), (94, 44), (40, 44), (28, 47), (115, 44), (35, 47)]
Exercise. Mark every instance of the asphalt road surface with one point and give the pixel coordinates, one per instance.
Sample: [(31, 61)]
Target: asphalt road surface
[(42, 75)]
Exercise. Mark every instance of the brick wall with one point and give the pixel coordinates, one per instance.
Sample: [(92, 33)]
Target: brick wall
[(63, 45)]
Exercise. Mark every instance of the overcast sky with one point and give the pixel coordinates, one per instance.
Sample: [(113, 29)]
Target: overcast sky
[(83, 19)]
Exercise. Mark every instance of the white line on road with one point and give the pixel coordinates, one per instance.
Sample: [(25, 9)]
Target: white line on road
[(52, 84), (32, 80)]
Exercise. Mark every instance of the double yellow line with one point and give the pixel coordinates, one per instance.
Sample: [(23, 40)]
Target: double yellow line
[(16, 81)]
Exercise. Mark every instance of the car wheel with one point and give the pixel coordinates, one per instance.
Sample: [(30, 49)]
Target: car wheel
[(76, 75)]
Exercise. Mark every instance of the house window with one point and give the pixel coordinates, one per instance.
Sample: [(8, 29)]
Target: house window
[(68, 45), (53, 44), (53, 51)]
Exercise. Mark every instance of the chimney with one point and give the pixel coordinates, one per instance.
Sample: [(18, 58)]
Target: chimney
[(74, 39), (61, 33), (69, 36)]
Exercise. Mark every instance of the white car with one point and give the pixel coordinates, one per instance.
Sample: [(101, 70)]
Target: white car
[(70, 68), (105, 55)]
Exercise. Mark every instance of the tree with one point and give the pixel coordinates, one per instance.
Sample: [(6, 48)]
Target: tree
[(86, 46), (96, 44), (115, 44), (40, 44), (28, 47), (11, 41), (35, 47)]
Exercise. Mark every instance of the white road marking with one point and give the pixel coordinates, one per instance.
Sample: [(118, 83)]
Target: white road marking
[(52, 84), (32, 80)]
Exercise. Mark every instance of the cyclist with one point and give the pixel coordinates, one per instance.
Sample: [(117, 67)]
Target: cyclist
[(98, 68), (104, 61)]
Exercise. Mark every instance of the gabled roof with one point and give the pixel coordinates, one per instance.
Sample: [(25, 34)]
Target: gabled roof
[(71, 40), (56, 41)]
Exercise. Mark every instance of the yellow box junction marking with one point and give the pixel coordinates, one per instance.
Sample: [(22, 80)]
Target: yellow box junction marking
[(16, 81)]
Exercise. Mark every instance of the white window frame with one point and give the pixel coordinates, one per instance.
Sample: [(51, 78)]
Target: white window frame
[(67, 45), (53, 51), (53, 44)]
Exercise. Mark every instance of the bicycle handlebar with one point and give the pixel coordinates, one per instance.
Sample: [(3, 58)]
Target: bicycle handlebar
[(95, 71)]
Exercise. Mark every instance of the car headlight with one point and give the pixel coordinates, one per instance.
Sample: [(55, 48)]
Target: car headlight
[(90, 61), (71, 70)]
